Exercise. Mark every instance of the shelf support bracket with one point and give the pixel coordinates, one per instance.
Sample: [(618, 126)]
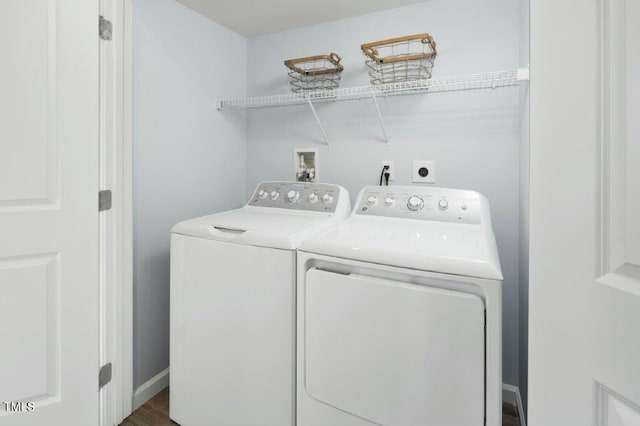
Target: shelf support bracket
[(384, 129), (315, 114)]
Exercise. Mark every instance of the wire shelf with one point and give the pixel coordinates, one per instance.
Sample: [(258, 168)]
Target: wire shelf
[(491, 80)]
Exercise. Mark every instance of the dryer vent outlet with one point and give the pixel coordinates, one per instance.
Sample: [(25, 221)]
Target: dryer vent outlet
[(424, 171)]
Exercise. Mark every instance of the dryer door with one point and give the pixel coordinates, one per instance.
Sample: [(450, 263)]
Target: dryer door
[(394, 353)]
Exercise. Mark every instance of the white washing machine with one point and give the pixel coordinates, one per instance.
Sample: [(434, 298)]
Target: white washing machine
[(233, 305), (399, 313)]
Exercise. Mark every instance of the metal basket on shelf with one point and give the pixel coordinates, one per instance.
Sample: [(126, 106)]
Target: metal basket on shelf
[(400, 59), (321, 72)]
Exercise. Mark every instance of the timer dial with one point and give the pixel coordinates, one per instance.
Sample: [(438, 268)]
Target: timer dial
[(415, 203)]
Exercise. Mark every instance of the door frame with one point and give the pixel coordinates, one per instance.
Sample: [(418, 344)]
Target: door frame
[(116, 224)]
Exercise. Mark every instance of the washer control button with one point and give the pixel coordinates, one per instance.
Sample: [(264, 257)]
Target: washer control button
[(464, 207), (274, 195), (443, 204), (415, 203), (389, 201), (262, 194), (293, 196), (372, 201), (327, 199), (313, 197)]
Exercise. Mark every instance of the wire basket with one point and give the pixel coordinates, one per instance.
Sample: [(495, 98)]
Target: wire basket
[(321, 72), (400, 59)]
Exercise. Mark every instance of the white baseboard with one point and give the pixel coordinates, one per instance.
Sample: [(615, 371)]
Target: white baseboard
[(511, 394), (150, 388)]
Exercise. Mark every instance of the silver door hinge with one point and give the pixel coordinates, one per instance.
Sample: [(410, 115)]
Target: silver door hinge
[(105, 28), (104, 377), (104, 200)]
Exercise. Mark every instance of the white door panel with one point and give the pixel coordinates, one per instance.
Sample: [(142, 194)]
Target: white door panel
[(585, 197), (28, 169), (394, 353), (615, 410), (631, 88), (48, 212), (33, 311)]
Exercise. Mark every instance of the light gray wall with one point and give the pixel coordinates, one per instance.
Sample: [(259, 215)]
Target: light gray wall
[(524, 206), (473, 136), (189, 160)]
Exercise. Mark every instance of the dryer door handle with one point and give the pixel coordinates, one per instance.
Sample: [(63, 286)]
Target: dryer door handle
[(332, 271)]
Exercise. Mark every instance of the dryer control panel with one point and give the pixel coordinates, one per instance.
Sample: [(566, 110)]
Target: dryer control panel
[(317, 197), (425, 203)]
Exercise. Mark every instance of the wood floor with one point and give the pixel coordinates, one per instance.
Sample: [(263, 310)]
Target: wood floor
[(156, 413), (510, 415)]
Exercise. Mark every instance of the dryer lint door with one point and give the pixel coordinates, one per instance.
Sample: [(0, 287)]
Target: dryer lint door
[(394, 353)]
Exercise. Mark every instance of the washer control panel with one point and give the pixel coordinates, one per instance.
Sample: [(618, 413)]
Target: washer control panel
[(317, 197), (416, 202)]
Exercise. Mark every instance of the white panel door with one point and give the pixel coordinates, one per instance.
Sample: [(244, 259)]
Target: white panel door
[(584, 343), (48, 212)]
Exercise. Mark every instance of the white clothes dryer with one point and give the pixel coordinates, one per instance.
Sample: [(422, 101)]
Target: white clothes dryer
[(399, 313), (232, 315)]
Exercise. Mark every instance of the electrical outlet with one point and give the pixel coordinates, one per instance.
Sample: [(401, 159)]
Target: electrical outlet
[(391, 168), (424, 171)]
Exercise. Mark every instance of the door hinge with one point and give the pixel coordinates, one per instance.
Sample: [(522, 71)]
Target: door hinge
[(104, 377), (105, 28), (104, 200)]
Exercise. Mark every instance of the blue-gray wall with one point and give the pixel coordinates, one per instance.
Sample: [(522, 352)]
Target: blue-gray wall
[(524, 207), (189, 160)]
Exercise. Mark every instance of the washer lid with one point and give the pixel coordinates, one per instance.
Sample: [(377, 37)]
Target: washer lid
[(258, 226), (451, 248)]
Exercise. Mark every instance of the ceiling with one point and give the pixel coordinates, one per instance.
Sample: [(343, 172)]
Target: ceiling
[(256, 17)]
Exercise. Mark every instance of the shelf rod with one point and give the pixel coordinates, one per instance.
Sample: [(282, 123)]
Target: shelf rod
[(384, 129), (315, 114)]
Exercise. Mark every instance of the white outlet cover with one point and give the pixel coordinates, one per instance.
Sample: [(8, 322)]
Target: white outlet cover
[(430, 165)]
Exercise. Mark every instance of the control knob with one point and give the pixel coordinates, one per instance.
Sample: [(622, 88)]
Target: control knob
[(443, 204), (415, 203), (274, 195), (389, 201), (327, 199), (262, 194), (372, 201), (293, 196), (313, 197)]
